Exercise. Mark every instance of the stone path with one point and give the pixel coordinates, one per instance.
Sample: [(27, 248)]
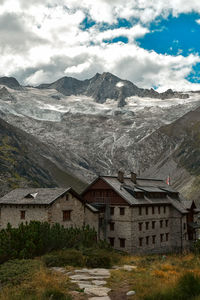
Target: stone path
[(93, 281)]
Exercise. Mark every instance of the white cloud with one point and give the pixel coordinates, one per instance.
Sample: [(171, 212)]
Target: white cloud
[(42, 42)]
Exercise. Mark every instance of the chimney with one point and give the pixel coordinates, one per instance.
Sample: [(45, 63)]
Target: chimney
[(121, 176), (134, 177)]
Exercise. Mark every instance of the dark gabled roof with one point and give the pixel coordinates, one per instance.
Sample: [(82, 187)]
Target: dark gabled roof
[(43, 196), (127, 191)]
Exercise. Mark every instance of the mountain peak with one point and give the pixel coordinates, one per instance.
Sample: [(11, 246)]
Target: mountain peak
[(10, 82)]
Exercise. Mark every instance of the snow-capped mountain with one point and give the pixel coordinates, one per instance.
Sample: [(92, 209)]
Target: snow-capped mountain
[(97, 129)]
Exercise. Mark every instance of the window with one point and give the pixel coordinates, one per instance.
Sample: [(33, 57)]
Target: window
[(147, 240), (66, 215), (147, 211), (167, 237), (112, 209), (112, 226), (164, 209), (153, 239), (112, 241), (147, 225), (153, 210), (161, 223), (140, 226), (159, 209), (153, 224), (67, 197), (140, 211), (121, 211), (22, 214), (166, 223), (122, 243), (140, 242), (100, 222), (161, 237), (184, 226)]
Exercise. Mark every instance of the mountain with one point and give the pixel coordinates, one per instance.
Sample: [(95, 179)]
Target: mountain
[(106, 86), (87, 138), (10, 82), (175, 149), (24, 161)]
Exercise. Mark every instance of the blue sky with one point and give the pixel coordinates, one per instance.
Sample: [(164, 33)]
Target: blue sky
[(152, 43)]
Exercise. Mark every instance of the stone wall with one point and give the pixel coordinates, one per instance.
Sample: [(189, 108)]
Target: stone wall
[(11, 214)]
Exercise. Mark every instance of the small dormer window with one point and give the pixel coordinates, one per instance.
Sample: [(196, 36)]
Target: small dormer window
[(31, 195)]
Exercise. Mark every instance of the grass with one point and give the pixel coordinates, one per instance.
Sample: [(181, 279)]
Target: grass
[(156, 277), (37, 284), (153, 275)]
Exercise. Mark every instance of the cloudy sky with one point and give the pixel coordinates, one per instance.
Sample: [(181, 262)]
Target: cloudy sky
[(153, 43)]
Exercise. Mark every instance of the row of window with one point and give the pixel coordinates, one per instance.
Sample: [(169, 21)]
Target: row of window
[(164, 237), (66, 215), (154, 209), (122, 242), (153, 224), (121, 211)]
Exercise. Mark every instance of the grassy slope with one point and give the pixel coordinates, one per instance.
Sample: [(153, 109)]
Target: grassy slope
[(24, 161)]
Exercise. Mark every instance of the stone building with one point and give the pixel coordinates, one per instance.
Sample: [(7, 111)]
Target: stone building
[(141, 215), (53, 205)]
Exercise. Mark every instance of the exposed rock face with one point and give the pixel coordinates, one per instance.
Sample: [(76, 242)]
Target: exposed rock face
[(10, 82), (176, 153), (106, 86), (5, 95)]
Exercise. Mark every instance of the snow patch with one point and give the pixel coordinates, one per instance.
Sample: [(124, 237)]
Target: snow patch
[(120, 84)]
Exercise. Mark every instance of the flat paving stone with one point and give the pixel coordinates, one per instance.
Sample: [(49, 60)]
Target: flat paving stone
[(100, 298), (97, 291), (99, 272), (86, 277), (99, 282)]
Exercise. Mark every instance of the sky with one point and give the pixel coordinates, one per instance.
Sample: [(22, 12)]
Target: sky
[(153, 43)]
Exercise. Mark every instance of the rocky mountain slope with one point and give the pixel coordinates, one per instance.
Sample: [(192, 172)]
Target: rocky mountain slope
[(176, 153), (24, 161), (106, 86), (94, 136)]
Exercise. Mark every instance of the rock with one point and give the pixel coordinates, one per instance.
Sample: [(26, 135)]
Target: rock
[(98, 282), (81, 271), (130, 293), (97, 291), (100, 298), (129, 268), (60, 270), (85, 277), (99, 272)]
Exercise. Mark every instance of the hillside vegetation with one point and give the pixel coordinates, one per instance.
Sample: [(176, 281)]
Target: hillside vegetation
[(24, 161)]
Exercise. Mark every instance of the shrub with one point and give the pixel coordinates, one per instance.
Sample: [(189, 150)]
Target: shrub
[(55, 294), (17, 270), (63, 258), (36, 238), (98, 259)]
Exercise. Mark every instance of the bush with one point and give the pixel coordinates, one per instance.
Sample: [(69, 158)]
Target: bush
[(17, 270), (36, 238), (98, 259), (54, 294), (63, 258)]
